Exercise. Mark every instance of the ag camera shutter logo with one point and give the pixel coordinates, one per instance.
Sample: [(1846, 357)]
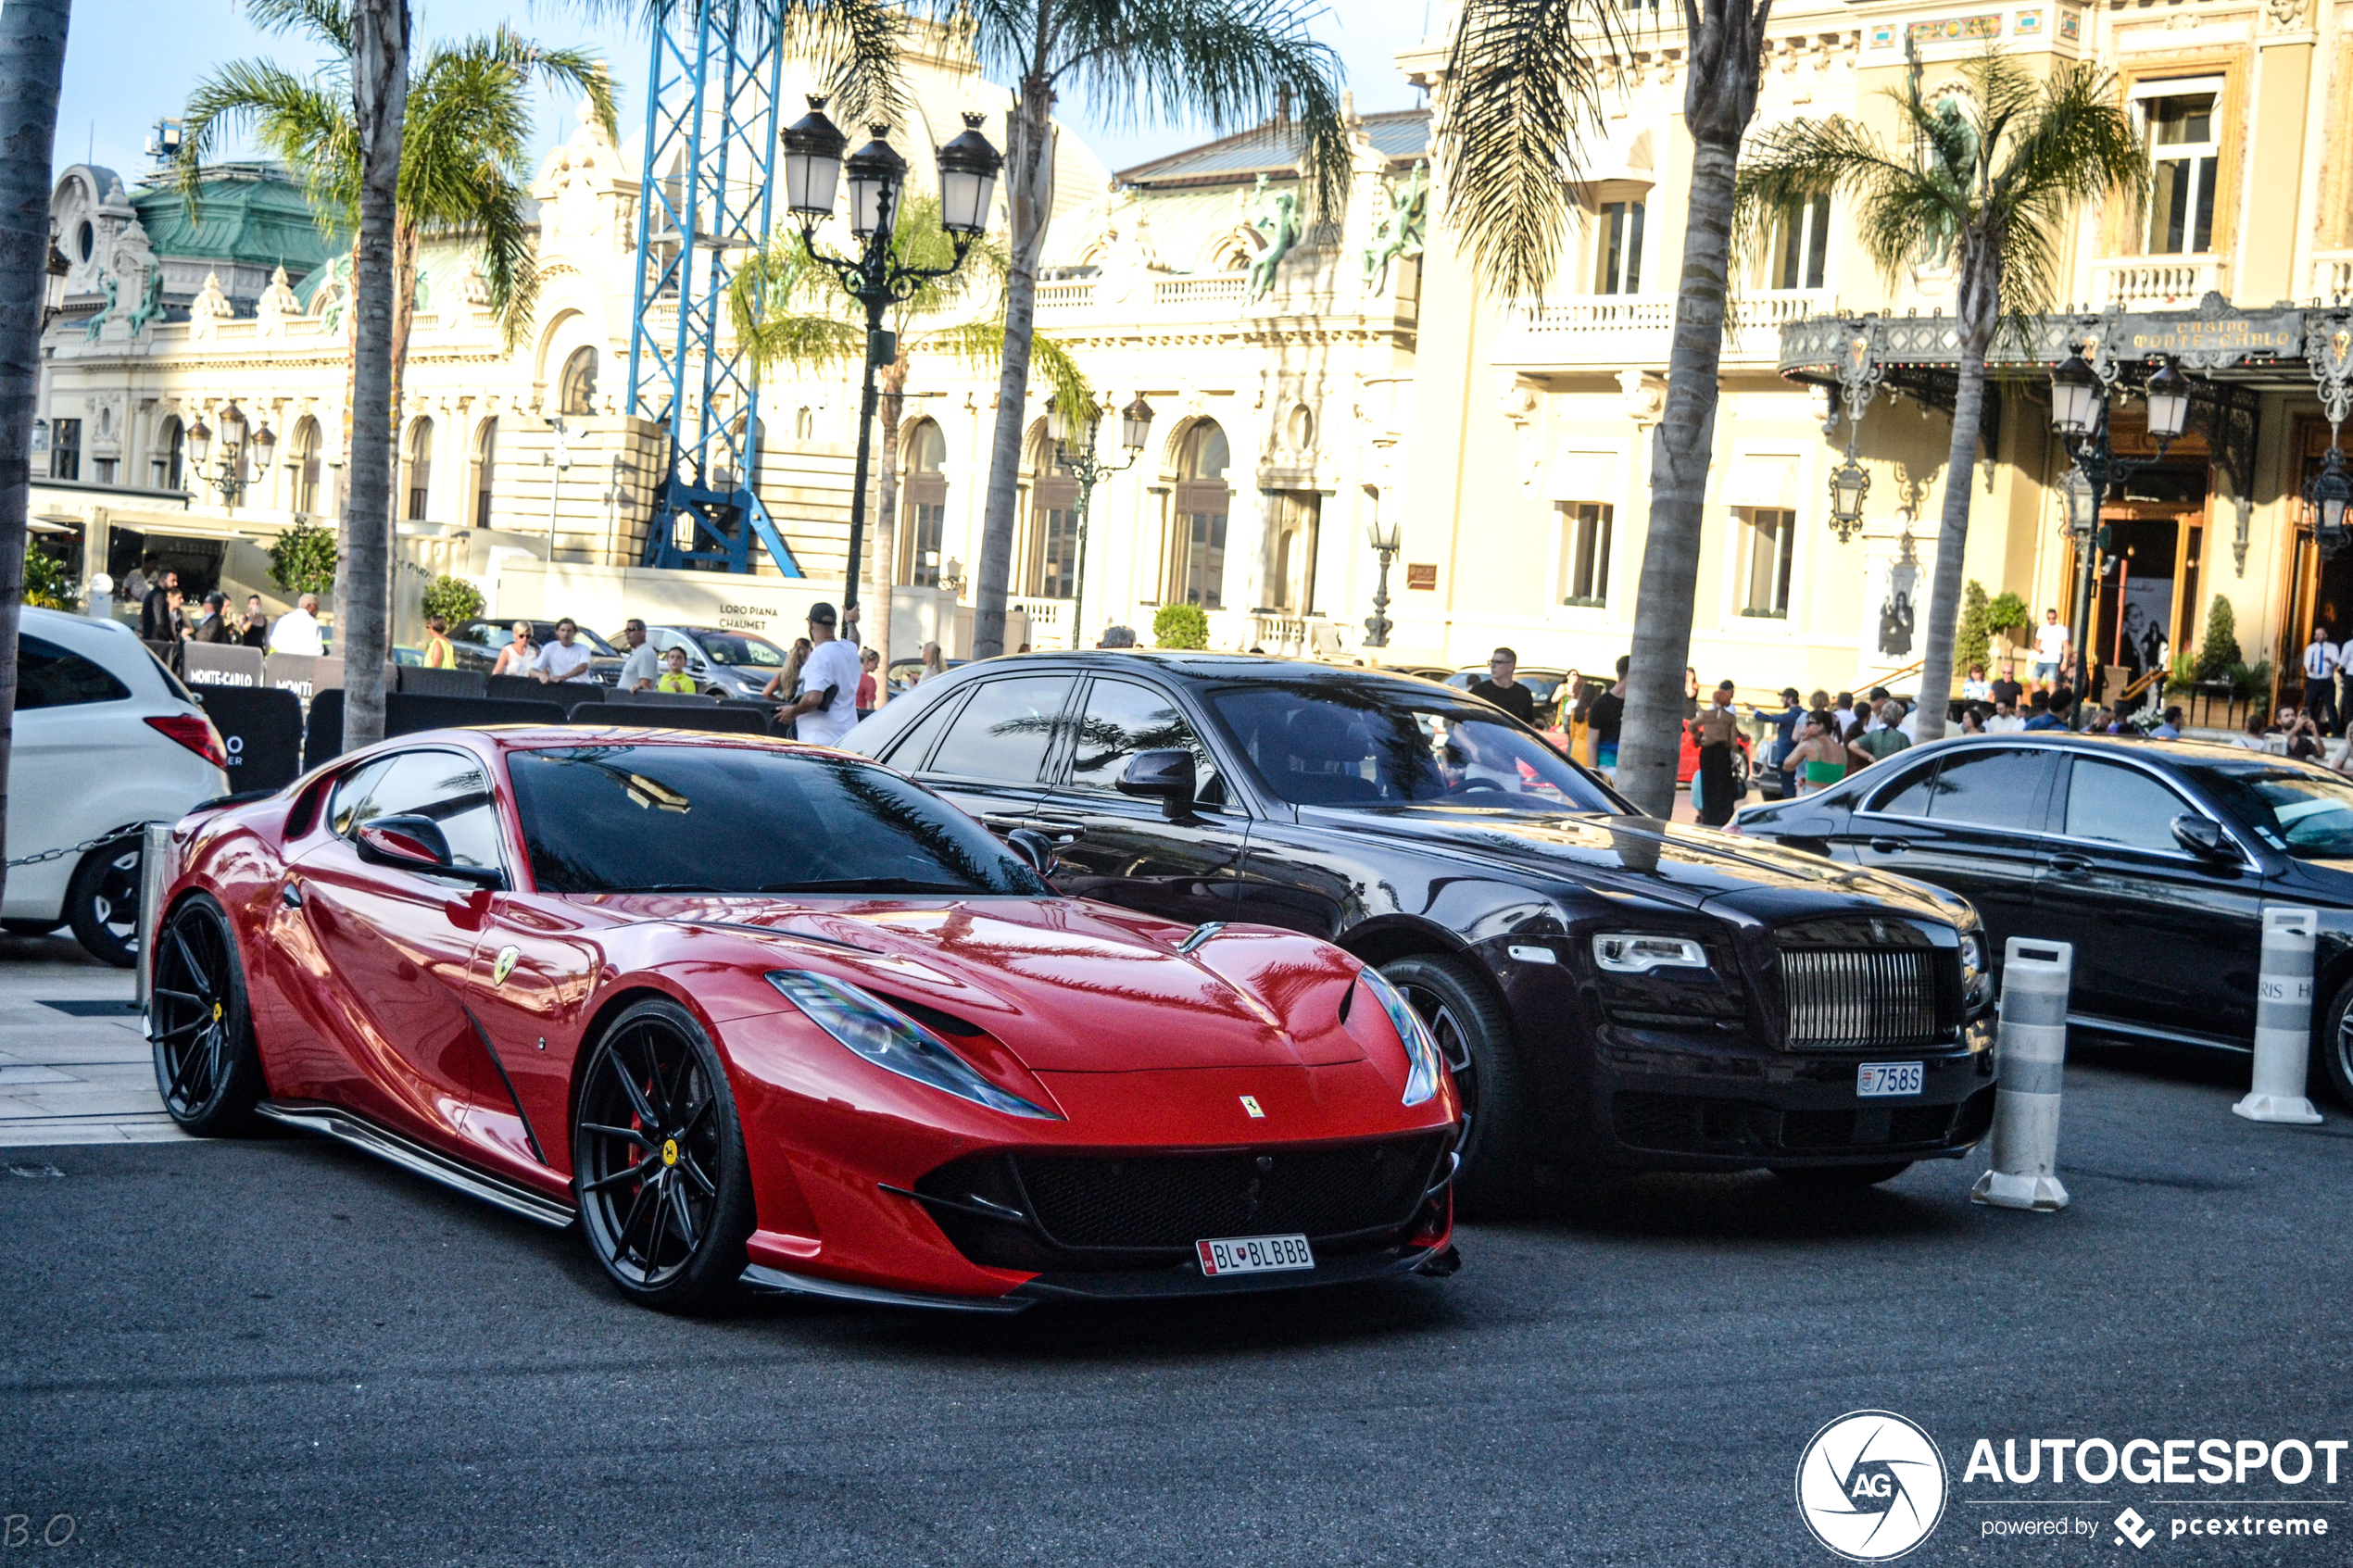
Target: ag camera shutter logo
[(1871, 1485)]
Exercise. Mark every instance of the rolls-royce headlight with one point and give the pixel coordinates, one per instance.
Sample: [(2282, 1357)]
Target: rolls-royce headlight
[(1973, 956), (1633, 953)]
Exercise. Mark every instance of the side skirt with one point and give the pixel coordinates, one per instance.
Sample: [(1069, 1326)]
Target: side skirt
[(409, 1155), (2121, 1029)]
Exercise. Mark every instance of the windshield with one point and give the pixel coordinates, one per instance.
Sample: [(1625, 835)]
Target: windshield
[(710, 818), (738, 649), (1368, 745), (2304, 810)]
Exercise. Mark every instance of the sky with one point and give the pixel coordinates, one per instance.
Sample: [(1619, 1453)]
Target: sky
[(128, 67)]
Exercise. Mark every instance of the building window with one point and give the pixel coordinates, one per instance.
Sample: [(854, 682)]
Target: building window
[(1053, 531), (485, 471), (1585, 528), (305, 463), (1769, 538), (2186, 158), (65, 450), (171, 449), (1801, 245), (1197, 574), (1618, 251), (923, 506), (419, 469), (576, 391), (103, 470)]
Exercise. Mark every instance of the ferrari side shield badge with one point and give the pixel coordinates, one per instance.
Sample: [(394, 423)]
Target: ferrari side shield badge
[(504, 965)]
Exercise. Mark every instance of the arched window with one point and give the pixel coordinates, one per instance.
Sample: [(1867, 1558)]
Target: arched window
[(485, 471), (1197, 563), (1053, 531), (576, 392), (922, 489), (171, 441), (804, 426), (302, 457), (419, 469)]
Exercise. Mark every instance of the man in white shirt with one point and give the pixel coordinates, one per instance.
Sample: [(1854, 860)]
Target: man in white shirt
[(2050, 649), (298, 630), (828, 704), (2319, 679), (644, 668), (563, 659), (2006, 720)]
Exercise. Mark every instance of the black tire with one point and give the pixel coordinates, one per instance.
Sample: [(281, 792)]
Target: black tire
[(1739, 774), (102, 901), (30, 927), (2333, 1047), (1843, 1178), (654, 1097), (206, 1063), (1475, 1035)]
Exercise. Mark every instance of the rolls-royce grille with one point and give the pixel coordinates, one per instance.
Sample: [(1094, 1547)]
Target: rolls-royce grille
[(1844, 998)]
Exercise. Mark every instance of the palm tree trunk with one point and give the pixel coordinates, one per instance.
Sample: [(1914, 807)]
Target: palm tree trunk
[(380, 91), (1980, 313), (1718, 99), (1029, 189), (886, 555), (33, 59)]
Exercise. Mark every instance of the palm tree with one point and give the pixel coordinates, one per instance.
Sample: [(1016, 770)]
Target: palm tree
[(1225, 62), (460, 165), (1524, 82), (33, 61), (1998, 179), (789, 311)]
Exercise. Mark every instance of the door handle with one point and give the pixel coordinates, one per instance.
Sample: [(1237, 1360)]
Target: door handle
[(1889, 845), (2069, 863)]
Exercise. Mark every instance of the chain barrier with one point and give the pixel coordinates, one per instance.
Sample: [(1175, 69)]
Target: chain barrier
[(82, 847)]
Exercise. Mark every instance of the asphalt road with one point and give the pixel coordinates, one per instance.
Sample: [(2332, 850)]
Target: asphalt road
[(280, 1352)]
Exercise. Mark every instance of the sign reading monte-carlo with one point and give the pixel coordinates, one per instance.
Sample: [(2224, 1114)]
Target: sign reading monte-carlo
[(2213, 336)]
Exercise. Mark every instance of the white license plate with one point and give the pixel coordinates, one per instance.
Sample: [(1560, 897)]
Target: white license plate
[(1253, 1254), (1887, 1080)]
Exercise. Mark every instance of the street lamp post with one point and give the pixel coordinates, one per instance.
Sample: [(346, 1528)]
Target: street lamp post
[(1858, 378), (1387, 539), (813, 167), (228, 477), (1135, 428), (2079, 413)]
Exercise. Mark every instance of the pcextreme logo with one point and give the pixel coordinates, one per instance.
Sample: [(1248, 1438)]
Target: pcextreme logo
[(1870, 1486)]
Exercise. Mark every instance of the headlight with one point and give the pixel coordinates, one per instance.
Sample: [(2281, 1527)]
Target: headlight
[(1632, 953), (1973, 956), (1421, 1051), (891, 1040)]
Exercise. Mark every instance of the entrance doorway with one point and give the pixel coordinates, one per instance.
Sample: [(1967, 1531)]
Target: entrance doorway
[(2145, 605), (2320, 592)]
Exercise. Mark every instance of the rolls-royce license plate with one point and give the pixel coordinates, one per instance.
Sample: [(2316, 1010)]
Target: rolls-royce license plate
[(1887, 1080), (1253, 1254)]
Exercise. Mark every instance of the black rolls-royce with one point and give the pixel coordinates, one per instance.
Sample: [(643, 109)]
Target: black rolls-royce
[(1614, 993)]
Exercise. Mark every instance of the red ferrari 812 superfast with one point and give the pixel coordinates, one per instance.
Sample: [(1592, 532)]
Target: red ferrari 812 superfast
[(759, 1015)]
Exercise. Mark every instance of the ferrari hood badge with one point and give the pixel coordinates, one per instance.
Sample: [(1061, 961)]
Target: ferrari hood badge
[(1250, 1104), (504, 965)]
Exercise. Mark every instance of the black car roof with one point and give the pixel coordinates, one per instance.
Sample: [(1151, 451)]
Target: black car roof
[(1194, 664)]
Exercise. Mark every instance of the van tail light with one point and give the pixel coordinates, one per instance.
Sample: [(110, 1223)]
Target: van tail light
[(194, 732)]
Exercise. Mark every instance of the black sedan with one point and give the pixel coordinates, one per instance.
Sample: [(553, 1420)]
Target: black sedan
[(1613, 993), (2154, 858)]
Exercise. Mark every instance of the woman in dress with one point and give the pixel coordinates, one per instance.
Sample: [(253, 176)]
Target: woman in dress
[(515, 658)]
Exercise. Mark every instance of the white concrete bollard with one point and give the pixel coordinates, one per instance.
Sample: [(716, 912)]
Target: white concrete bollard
[(2284, 1021), (2031, 1053)]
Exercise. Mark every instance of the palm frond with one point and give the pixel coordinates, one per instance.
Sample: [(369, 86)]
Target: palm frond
[(1055, 363), (1894, 202), (787, 311), (323, 22), (302, 122), (1524, 95)]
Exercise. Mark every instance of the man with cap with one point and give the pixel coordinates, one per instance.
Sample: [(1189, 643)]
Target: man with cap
[(828, 704)]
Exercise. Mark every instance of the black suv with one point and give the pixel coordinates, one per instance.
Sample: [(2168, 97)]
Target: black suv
[(1613, 993)]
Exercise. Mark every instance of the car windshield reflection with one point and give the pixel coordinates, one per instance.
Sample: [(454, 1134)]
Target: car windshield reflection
[(1367, 746), (2305, 811)]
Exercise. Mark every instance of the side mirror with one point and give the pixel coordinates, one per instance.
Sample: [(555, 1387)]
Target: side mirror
[(1166, 776), (1035, 849), (416, 844), (2203, 838)]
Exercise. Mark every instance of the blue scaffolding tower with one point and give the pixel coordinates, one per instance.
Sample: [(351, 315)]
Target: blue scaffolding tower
[(703, 207)]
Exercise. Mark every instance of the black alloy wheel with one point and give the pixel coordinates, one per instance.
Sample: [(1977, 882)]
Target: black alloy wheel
[(1474, 1035), (102, 901), (2332, 1049), (658, 1162), (1843, 1178), (207, 1063)]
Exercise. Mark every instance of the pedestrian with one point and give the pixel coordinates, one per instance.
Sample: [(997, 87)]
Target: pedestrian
[(564, 661), (142, 580), (2006, 720), (868, 689), (440, 653), (2008, 689), (157, 624), (2257, 738), (1842, 711), (1606, 717), (2169, 727), (2320, 679), (1876, 745), (1784, 720), (1691, 693), (1871, 708), (674, 678), (1502, 690), (785, 682), (255, 631), (1024, 649), (1975, 687), (297, 631), (214, 627), (516, 656), (643, 667), (2051, 648), (1819, 757), (828, 704), (1116, 637), (1716, 730), (2051, 713), (935, 663), (1973, 717), (2296, 735)]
